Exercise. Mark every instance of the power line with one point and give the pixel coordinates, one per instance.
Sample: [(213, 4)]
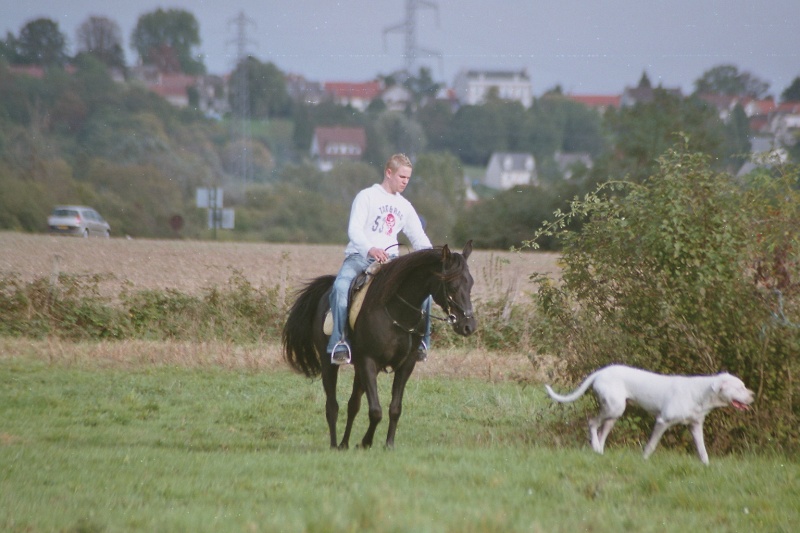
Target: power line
[(408, 28), (242, 99)]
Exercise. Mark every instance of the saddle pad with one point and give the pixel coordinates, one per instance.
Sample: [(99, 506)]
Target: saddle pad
[(355, 306)]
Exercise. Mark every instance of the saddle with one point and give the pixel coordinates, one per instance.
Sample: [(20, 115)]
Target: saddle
[(355, 297)]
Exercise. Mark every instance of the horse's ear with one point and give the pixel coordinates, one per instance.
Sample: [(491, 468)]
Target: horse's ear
[(445, 254), (467, 249)]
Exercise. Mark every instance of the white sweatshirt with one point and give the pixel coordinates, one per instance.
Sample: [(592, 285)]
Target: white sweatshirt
[(376, 218)]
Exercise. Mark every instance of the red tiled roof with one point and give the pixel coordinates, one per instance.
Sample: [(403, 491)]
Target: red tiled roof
[(340, 134), (759, 107), (339, 142), (595, 100), (367, 90), (35, 71), (788, 107), (172, 84)]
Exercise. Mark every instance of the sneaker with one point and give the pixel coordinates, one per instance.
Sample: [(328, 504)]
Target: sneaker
[(341, 354), (422, 352)]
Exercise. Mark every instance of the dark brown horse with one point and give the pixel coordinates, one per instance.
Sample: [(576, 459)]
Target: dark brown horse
[(386, 334)]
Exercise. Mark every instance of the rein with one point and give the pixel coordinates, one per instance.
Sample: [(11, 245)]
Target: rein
[(450, 303)]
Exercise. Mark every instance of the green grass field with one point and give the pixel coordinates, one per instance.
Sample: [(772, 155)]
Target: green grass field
[(90, 446)]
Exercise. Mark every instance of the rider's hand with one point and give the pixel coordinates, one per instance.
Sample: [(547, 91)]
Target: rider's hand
[(378, 254)]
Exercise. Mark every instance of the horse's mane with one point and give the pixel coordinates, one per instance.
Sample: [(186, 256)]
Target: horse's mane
[(393, 273)]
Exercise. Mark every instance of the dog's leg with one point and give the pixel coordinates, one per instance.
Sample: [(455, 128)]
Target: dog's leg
[(593, 425), (658, 431), (697, 432), (612, 406), (605, 429)]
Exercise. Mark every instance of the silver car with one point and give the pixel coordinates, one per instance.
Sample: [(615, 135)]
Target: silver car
[(77, 220)]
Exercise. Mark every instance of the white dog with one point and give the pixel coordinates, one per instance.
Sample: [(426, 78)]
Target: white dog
[(671, 399)]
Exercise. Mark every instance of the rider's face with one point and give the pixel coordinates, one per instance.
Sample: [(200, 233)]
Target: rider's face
[(396, 181)]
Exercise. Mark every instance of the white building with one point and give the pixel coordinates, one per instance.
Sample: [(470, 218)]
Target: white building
[(473, 86), (506, 170)]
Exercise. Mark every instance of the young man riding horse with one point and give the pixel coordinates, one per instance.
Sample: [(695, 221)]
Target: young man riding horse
[(377, 215)]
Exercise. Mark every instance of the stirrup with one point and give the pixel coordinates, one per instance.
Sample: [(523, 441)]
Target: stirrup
[(422, 352), (340, 360)]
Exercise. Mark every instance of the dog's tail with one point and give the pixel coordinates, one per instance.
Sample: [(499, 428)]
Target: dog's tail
[(571, 397)]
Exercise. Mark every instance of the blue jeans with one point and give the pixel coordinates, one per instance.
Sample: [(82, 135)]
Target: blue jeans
[(353, 265)]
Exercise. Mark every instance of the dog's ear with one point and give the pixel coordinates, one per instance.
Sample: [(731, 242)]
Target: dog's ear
[(722, 379)]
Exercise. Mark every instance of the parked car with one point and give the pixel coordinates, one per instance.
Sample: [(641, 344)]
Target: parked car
[(77, 220)]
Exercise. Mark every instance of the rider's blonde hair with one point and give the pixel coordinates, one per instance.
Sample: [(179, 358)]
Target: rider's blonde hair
[(397, 161)]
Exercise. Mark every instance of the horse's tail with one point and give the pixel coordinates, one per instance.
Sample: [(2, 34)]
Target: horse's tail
[(298, 337)]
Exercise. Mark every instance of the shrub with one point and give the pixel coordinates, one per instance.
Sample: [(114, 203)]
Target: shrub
[(689, 272)]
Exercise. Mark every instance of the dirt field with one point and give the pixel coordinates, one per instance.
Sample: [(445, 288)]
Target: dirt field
[(192, 266)]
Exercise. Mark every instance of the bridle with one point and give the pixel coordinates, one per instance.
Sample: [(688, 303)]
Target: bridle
[(450, 304)]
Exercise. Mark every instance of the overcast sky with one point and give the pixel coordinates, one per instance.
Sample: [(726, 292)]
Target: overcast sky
[(586, 46)]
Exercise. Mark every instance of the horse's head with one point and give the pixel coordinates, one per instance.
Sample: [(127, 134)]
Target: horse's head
[(454, 295)]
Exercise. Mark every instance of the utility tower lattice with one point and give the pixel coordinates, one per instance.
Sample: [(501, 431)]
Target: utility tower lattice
[(242, 100), (409, 28)]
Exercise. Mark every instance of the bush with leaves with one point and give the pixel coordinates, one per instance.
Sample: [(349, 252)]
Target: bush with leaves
[(689, 272)]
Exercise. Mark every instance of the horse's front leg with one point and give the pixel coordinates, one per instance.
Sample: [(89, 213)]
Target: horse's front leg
[(401, 376), (369, 381), (353, 406), (330, 374)]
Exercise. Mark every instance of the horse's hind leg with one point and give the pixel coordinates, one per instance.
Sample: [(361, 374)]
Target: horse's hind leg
[(330, 374), (353, 406)]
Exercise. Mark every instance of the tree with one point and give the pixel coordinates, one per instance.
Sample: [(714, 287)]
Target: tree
[(102, 38), (579, 129), (266, 94), (737, 133), (9, 50), (642, 133), (792, 92), (41, 43), (401, 134), (437, 191), (422, 86), (476, 133), (436, 118), (505, 220), (726, 79), (167, 39)]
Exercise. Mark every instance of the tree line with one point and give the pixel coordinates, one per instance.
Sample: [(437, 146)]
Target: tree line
[(79, 137)]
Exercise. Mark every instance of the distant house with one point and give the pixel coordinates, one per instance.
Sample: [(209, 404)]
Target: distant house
[(764, 153), (331, 145), (784, 123), (506, 170), (356, 95), (472, 87), (174, 88), (210, 91), (396, 98), (36, 71), (758, 113), (723, 103), (305, 91), (598, 102), (644, 93), (764, 115), (568, 163)]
